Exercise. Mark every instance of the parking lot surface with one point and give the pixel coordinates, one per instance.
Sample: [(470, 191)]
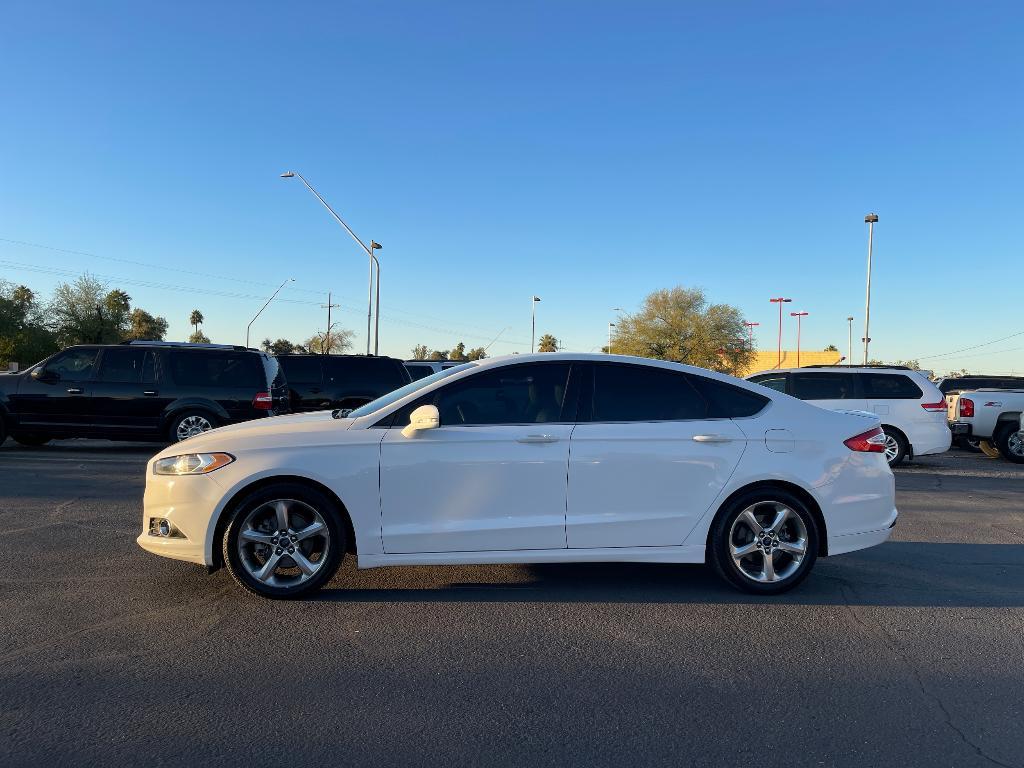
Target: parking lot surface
[(906, 654)]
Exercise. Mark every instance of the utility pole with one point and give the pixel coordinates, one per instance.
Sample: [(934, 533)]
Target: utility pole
[(533, 322), (799, 316), (328, 306), (849, 323), (780, 301)]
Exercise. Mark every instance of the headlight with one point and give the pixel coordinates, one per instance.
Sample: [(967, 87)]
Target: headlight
[(192, 463)]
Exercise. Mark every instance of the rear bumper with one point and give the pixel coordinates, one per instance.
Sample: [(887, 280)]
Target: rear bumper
[(959, 429), (929, 437), (851, 542)]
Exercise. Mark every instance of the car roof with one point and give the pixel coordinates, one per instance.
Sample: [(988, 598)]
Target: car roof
[(840, 368)]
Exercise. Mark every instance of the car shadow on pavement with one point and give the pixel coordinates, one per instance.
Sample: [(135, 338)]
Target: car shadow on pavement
[(911, 574)]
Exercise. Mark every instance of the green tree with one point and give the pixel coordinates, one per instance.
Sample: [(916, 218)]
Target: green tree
[(199, 338), (24, 337), (458, 351), (339, 341), (196, 319), (831, 348), (83, 312), (280, 347), (547, 343), (679, 324), (438, 354), (145, 327), (420, 352), (477, 353)]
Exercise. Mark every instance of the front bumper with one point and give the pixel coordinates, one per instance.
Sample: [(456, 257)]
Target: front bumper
[(188, 504)]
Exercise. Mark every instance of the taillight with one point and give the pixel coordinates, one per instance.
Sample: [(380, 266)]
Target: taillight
[(966, 407), (937, 407), (872, 441), (263, 401)]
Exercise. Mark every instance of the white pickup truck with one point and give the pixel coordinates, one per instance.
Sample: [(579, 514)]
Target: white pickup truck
[(994, 415)]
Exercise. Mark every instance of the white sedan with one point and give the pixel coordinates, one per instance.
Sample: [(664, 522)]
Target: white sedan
[(527, 459)]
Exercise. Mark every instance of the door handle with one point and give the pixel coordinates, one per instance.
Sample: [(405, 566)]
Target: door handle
[(74, 390), (537, 439), (149, 392), (712, 439)]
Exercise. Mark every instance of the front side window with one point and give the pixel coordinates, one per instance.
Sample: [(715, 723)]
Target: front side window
[(532, 393), (772, 381), (393, 397), (73, 365), (823, 386), (644, 393), (890, 386), (126, 365)]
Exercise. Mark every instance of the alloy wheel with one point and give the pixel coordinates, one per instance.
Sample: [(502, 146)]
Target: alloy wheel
[(283, 542), (892, 448), (1015, 443), (191, 426), (768, 542)]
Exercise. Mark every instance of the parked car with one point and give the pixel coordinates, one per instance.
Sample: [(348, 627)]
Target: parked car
[(419, 369), (952, 386), (139, 391), (552, 457), (320, 382), (911, 408), (992, 415)]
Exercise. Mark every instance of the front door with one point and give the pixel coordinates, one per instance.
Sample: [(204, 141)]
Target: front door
[(58, 399), (492, 476), (648, 462)]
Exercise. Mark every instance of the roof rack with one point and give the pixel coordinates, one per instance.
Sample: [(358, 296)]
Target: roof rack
[(188, 344), (837, 365)]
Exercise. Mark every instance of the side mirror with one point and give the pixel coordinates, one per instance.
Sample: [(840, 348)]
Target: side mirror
[(41, 374), (424, 417)]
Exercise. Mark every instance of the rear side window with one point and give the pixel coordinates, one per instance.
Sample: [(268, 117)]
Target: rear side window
[(823, 386), (418, 372), (365, 374), (889, 386), (726, 401), (772, 381), (217, 369), (302, 370), (643, 393)]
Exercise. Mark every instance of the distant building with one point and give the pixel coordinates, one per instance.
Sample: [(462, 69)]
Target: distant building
[(767, 359)]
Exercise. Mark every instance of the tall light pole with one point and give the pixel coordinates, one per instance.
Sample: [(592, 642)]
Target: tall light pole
[(871, 219), (799, 316), (369, 252), (780, 301), (533, 321), (282, 285), (849, 323), (375, 246), (750, 332), (610, 326)]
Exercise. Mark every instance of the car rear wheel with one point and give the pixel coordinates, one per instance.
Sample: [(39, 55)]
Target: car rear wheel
[(1010, 442), (765, 542), (30, 440), (284, 541), (189, 424), (895, 446)]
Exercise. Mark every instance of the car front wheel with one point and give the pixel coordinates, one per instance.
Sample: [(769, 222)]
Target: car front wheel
[(766, 542), (284, 541)]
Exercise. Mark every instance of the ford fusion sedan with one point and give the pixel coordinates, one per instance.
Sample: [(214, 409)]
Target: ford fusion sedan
[(528, 459)]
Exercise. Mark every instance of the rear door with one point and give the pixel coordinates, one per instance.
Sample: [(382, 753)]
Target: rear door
[(351, 381), (835, 390), (230, 378), (647, 459), (305, 375), (126, 399)]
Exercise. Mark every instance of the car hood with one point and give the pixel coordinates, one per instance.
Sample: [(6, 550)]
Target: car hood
[(277, 431)]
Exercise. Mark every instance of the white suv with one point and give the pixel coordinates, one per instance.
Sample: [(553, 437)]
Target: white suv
[(912, 408)]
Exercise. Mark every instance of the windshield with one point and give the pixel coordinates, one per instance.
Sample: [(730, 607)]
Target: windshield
[(393, 397)]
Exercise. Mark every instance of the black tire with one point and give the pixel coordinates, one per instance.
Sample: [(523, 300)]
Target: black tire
[(29, 440), (285, 581), (723, 529), (175, 428), (3, 429), (895, 438), (1010, 442)]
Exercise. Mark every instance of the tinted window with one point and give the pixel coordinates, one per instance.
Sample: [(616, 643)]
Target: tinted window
[(75, 364), (365, 374), (726, 401), (642, 393), (419, 371), (302, 370), (889, 386), (126, 365), (772, 381), (823, 386), (515, 394), (216, 369)]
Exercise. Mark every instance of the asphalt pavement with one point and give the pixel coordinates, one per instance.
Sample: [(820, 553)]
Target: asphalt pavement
[(906, 654)]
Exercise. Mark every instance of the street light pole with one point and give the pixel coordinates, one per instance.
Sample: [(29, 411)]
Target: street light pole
[(610, 326), (375, 246), (780, 301), (849, 323), (533, 321), (799, 316), (369, 251), (750, 333), (282, 285), (871, 219)]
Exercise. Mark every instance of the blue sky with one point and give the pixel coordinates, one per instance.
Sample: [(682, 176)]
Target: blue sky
[(587, 152)]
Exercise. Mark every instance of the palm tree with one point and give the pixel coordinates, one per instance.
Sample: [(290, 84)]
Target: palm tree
[(548, 343), (196, 319)]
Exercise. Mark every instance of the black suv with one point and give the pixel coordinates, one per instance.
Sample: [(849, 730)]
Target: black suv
[(319, 382), (147, 390)]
